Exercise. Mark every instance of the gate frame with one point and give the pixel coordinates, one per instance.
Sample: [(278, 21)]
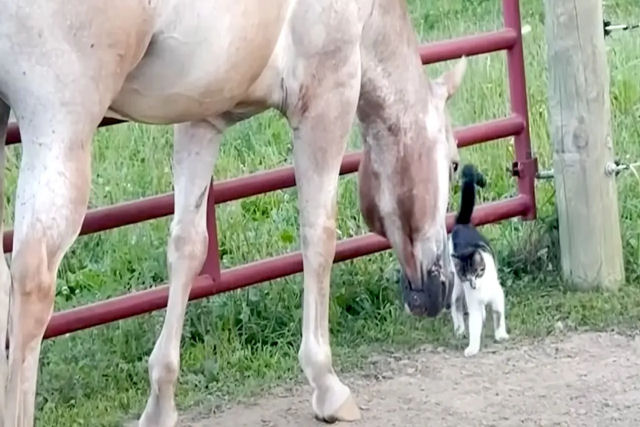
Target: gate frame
[(212, 280)]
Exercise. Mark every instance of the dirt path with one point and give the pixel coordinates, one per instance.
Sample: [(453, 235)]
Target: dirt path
[(577, 380)]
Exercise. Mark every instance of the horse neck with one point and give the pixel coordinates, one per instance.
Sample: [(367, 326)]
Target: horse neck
[(394, 87)]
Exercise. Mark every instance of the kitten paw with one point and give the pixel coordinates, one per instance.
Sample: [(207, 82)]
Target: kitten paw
[(459, 331), (501, 336), (469, 352)]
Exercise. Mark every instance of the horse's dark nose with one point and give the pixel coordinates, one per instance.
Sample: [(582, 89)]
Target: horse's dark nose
[(428, 295)]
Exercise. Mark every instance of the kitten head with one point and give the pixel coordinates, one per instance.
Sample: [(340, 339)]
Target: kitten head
[(469, 265)]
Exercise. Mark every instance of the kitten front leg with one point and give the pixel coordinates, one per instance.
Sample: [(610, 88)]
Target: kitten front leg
[(458, 320), (475, 327), (499, 322)]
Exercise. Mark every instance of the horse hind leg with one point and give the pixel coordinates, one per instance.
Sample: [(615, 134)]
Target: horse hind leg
[(499, 321), (5, 276), (195, 153)]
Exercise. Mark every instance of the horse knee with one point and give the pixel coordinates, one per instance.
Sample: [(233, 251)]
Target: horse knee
[(31, 269), (188, 243), (33, 288)]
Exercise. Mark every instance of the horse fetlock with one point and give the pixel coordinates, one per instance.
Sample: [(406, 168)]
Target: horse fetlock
[(160, 410), (315, 361), (163, 369), (331, 400)]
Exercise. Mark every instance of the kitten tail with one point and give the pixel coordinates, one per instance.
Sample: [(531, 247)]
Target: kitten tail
[(470, 177)]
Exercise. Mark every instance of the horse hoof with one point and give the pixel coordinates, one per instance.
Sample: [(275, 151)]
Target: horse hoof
[(347, 412), (501, 336), (470, 352), (168, 420)]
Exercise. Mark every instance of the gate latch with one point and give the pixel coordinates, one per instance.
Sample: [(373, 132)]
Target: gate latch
[(525, 168)]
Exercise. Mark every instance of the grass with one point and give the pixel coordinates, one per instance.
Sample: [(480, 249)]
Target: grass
[(245, 341)]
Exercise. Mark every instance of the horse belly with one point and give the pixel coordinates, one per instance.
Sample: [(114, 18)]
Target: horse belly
[(202, 60)]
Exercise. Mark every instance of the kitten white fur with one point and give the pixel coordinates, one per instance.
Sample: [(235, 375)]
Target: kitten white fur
[(487, 292)]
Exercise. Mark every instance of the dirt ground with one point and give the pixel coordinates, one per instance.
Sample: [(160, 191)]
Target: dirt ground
[(574, 380)]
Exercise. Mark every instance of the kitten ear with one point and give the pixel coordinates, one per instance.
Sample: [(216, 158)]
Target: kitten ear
[(477, 260)]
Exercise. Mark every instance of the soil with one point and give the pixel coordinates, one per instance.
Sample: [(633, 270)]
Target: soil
[(589, 379)]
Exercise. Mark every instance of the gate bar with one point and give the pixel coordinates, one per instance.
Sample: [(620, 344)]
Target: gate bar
[(140, 210), (525, 166), (136, 303), (482, 43)]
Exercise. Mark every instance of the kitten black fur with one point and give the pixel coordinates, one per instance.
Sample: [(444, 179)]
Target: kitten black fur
[(466, 239)]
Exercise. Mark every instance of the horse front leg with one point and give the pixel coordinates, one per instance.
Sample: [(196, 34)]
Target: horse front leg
[(195, 153), (5, 275), (51, 201), (321, 123)]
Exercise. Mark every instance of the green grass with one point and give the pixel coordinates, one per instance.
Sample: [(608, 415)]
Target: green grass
[(245, 341)]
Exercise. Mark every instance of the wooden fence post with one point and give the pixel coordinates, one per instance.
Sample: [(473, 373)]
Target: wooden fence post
[(580, 129)]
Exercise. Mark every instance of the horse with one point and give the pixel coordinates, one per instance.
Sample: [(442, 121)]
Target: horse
[(201, 66)]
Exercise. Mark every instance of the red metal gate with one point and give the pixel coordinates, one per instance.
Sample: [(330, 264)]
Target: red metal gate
[(213, 280)]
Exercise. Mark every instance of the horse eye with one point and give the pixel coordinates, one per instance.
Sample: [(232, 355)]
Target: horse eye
[(454, 165)]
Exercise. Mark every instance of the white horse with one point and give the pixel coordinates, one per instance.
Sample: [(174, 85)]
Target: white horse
[(204, 65)]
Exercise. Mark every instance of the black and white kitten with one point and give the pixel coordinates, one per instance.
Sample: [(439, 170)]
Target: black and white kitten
[(476, 276)]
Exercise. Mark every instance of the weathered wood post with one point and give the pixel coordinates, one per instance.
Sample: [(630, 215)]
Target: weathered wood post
[(580, 129)]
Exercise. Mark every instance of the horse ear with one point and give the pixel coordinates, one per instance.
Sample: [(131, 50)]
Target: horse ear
[(453, 78)]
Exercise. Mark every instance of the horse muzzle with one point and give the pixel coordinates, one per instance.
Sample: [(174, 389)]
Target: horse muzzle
[(429, 293)]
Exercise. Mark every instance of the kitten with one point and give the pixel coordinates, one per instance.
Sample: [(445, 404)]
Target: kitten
[(476, 283)]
